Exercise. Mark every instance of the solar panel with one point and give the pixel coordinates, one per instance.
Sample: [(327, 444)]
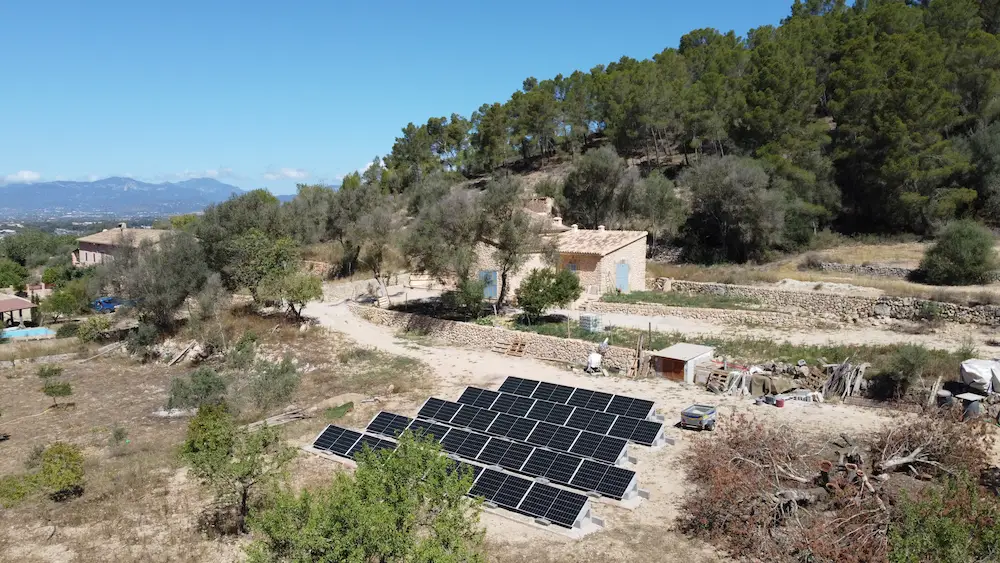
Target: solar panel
[(584, 398), (515, 456), (543, 434), (486, 399), (563, 468), (345, 443), (470, 395), (615, 482), (539, 461), (430, 408), (639, 431), (472, 446), (511, 492), (454, 440), (447, 411), (494, 451), (589, 475)]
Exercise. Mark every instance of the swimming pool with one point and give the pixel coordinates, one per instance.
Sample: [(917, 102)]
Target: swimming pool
[(26, 332)]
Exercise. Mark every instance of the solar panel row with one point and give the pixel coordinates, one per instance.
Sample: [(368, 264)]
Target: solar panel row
[(511, 492), (537, 433), (564, 469), (632, 429), (578, 397)]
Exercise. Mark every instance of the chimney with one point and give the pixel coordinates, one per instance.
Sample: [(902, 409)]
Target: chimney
[(574, 226), (600, 227), (557, 221)]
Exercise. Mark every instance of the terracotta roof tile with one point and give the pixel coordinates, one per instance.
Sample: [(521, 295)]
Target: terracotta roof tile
[(587, 241), (113, 237), (10, 303)]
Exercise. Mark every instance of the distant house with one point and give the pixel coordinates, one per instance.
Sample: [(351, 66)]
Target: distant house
[(605, 260), (97, 248)]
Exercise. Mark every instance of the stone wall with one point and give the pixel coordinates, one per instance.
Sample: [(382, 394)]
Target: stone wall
[(484, 337), (728, 316), (870, 270), (335, 291), (842, 307)]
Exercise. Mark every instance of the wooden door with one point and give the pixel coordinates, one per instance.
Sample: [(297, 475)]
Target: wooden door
[(672, 370)]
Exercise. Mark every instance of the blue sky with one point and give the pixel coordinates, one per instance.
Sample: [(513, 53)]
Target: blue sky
[(270, 94)]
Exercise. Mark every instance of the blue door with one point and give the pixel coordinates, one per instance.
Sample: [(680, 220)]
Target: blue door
[(489, 277), (621, 276)]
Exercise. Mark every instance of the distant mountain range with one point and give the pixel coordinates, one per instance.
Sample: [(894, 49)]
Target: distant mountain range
[(111, 196)]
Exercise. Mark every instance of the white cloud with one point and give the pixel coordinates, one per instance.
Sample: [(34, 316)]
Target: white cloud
[(290, 173), (22, 177), (210, 173)]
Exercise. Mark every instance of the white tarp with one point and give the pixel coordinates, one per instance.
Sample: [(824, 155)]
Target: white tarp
[(983, 375)]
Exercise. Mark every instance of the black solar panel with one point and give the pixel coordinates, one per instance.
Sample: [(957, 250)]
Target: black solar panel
[(601, 423), (472, 446), (542, 434), (539, 500), (540, 410), (502, 424), (586, 444), (521, 429), (470, 395), (566, 508), (503, 402), (508, 491), (521, 406), (494, 451), (623, 428), (454, 440), (539, 461), (589, 475), (483, 420), (563, 439), (464, 416), (430, 408), (380, 422), (512, 493), (610, 449), (345, 443), (645, 432), (580, 419), (615, 482), (327, 437), (515, 456), (577, 397), (488, 483), (563, 468), (486, 398), (559, 414), (641, 408), (447, 411)]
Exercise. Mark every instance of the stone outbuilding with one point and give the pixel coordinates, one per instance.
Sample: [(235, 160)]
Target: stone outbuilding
[(605, 260)]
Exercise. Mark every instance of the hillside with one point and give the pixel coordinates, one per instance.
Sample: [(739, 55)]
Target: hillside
[(111, 196)]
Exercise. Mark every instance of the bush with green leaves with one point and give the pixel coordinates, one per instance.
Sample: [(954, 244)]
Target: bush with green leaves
[(545, 288), (243, 352), (94, 328), (467, 297), (906, 367), (271, 383), (202, 387), (403, 505), (962, 255), (51, 385), (140, 341), (67, 330), (12, 274), (61, 473), (235, 461)]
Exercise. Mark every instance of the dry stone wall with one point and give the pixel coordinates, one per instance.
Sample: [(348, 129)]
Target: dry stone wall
[(485, 337), (842, 307), (870, 270), (728, 316)]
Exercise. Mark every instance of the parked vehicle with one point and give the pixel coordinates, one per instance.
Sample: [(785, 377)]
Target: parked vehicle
[(108, 304)]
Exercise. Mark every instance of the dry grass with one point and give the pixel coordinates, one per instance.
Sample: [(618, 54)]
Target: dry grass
[(138, 504), (39, 348), (902, 255), (632, 543)]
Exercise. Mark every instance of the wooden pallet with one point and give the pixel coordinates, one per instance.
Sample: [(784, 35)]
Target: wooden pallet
[(383, 302), (513, 348)]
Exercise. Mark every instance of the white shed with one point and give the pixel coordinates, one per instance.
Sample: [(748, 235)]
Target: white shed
[(677, 362)]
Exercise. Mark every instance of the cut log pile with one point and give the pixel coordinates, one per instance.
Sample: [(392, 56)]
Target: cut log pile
[(845, 380)]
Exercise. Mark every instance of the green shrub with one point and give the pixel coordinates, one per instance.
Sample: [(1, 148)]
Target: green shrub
[(546, 287), (61, 472), (141, 341), (333, 413), (467, 297), (272, 383), (929, 311), (202, 387), (118, 436), (242, 354), (94, 328), (906, 366), (811, 262), (962, 255), (14, 488), (68, 330)]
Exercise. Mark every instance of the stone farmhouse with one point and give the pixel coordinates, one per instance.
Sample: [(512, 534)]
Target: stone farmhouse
[(605, 260), (99, 247)]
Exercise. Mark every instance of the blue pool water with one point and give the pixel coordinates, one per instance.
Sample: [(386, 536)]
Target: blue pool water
[(24, 332)]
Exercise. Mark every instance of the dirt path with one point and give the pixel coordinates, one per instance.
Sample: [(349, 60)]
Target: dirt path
[(951, 337), (659, 469)]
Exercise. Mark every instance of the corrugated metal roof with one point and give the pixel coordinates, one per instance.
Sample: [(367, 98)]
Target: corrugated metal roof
[(587, 241), (10, 303), (683, 351), (113, 237)]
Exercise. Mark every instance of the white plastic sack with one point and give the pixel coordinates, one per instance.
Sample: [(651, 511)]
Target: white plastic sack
[(982, 375), (594, 361)]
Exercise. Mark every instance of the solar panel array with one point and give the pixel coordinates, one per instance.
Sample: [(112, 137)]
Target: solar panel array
[(510, 492), (575, 396), (537, 433), (562, 468), (628, 428)]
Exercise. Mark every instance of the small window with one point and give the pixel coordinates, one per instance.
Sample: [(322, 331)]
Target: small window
[(571, 266)]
